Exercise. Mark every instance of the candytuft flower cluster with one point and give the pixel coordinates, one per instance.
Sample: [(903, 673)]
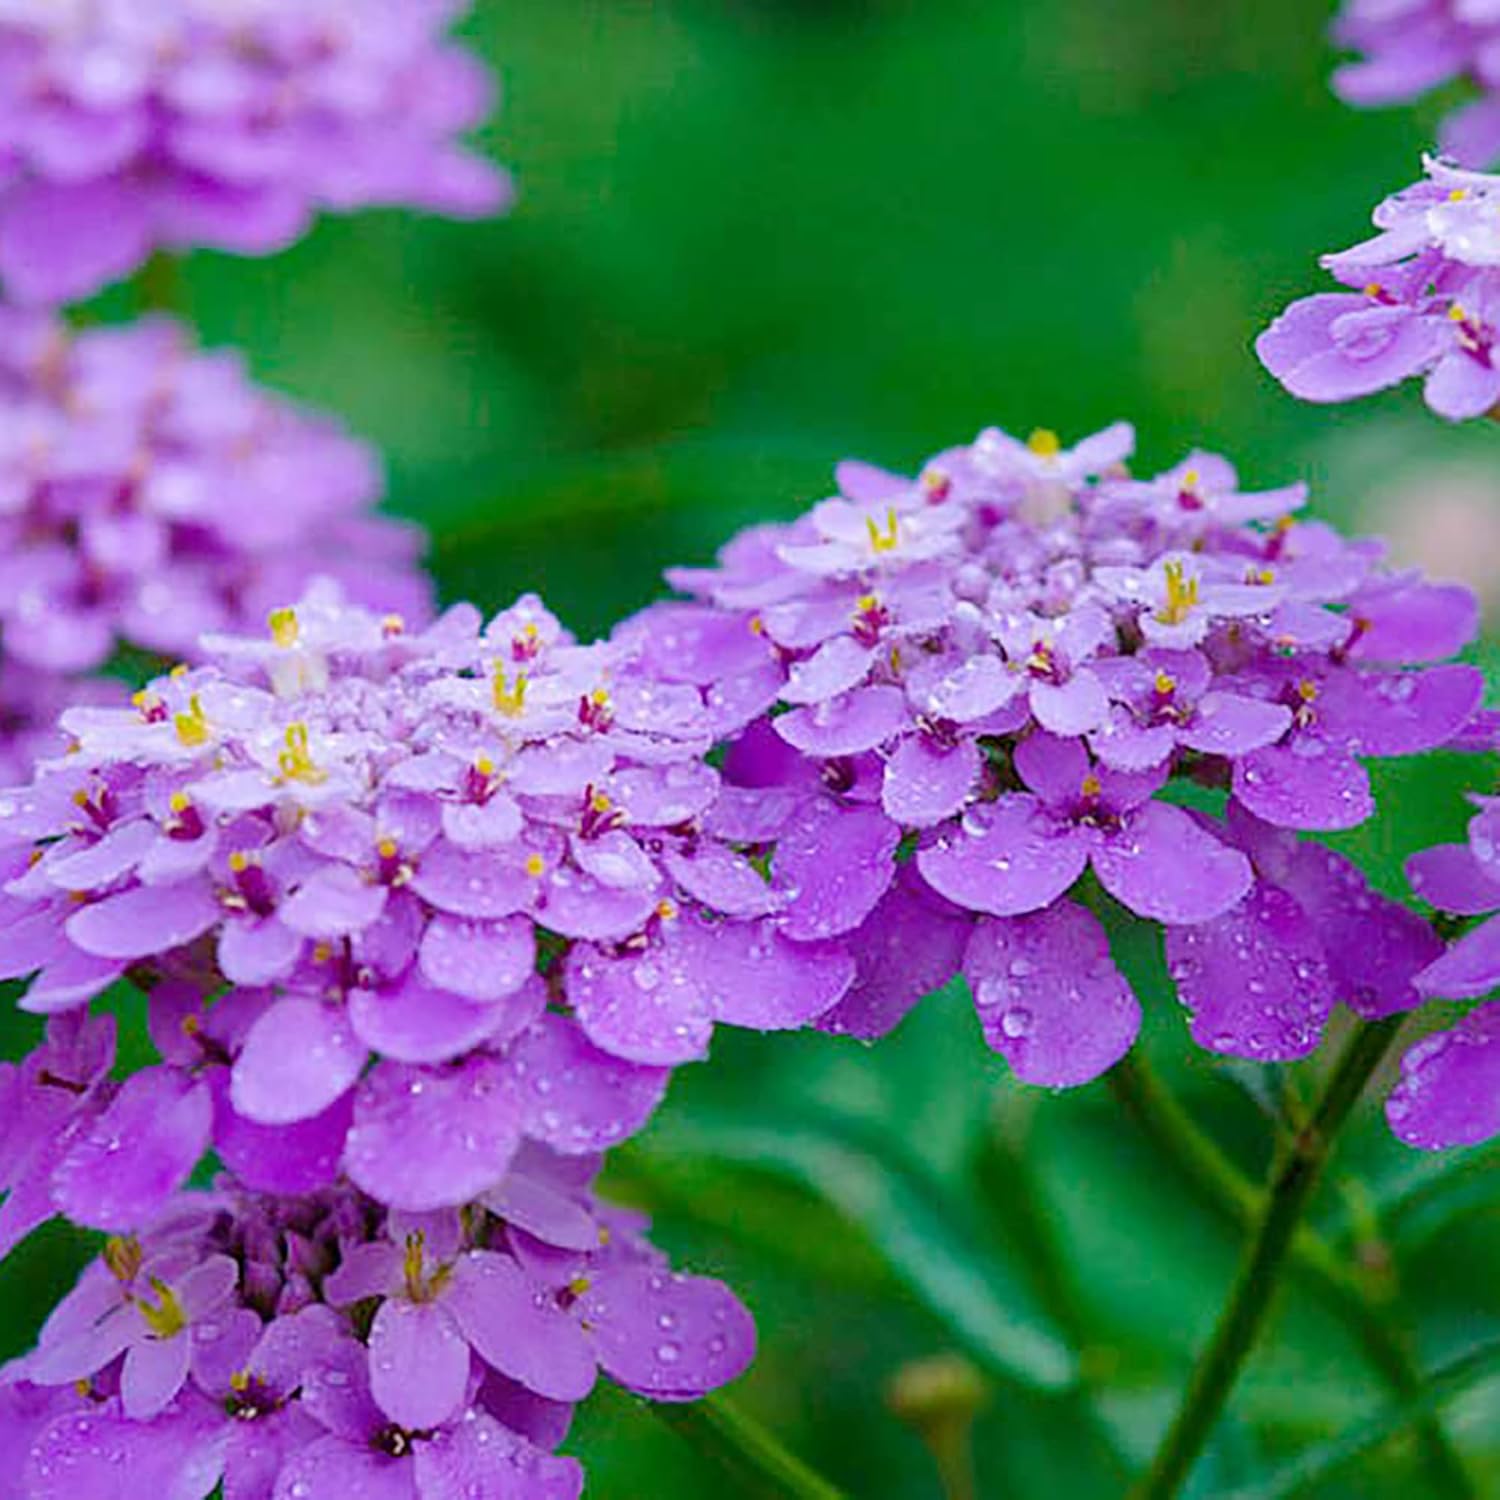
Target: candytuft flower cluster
[(1425, 304), (1025, 687), (131, 128), (1412, 46)]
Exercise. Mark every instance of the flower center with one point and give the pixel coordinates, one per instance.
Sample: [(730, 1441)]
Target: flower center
[(510, 697), (296, 760), (1182, 594), (884, 539)]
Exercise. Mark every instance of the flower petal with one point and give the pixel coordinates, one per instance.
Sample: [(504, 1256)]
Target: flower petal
[(1008, 857), (1449, 1093), (1164, 865), (419, 1363)]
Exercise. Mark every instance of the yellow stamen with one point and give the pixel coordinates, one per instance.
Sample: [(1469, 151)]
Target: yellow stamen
[(1166, 685), (165, 1316), (239, 1382), (1456, 313), (80, 798), (757, 625), (180, 670), (1191, 479), (600, 697), (192, 726), (1457, 195), (122, 1255), (191, 1026), (886, 539), (83, 1387), (536, 866), (392, 624), (1182, 595), (179, 802), (239, 862), (1372, 289), (296, 760), (412, 1267), (484, 765), (600, 802), (1307, 690), (387, 848), (579, 1285), (322, 952), (666, 910), (510, 698), (934, 480), (1262, 575), (867, 604), (1044, 443), (1092, 786), (285, 627)]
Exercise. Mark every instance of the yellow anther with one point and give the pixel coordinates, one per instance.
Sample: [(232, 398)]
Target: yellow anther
[(1284, 524), (600, 697), (1182, 594), (296, 760), (179, 802), (536, 866), (1191, 479), (884, 539), (757, 625), (1044, 443), (412, 1265), (867, 604), (191, 1026), (387, 848), (239, 1382), (934, 480), (122, 1255), (83, 1387), (1457, 195), (192, 726), (165, 1316), (1262, 575), (530, 631), (80, 798), (1166, 684), (1373, 289), (579, 1285), (392, 624), (285, 627), (141, 699), (1307, 690), (510, 698), (484, 765), (600, 802), (239, 862), (895, 658), (666, 910), (180, 670), (1456, 313), (1092, 787), (322, 952)]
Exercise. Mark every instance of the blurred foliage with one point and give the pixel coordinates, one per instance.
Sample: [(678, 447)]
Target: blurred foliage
[(756, 236)]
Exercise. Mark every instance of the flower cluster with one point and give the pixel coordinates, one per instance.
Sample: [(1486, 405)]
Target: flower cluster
[(1426, 303), (130, 128), (1411, 46), (1024, 665), (323, 1345)]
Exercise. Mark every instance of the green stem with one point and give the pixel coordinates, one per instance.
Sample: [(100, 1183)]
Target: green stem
[(1343, 1291), (1293, 1178), (746, 1449), (160, 285)]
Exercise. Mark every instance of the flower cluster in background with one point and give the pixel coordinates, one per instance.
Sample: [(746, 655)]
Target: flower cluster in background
[(1411, 46), (1025, 664), (132, 128), (1425, 304)]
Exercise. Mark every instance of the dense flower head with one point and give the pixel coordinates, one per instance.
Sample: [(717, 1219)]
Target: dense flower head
[(1412, 46), (1026, 687), (126, 128), (401, 901), (1425, 304), (325, 1345)]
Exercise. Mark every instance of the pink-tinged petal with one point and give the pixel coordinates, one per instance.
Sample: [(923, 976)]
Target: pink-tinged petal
[(69, 981), (1419, 623), (480, 1457), (925, 783), (1008, 857), (472, 884), (1451, 879), (144, 922), (515, 1325), (835, 667), (573, 1097), (123, 1170), (1300, 349), (856, 722), (482, 825), (1054, 768), (1127, 746), (1074, 707), (615, 859), (669, 1337), (1254, 979), (258, 950), (973, 690), (1049, 996), (1227, 724), (647, 1007), (344, 1471), (106, 1456), (333, 903), (910, 945), (543, 1212), (579, 906), (1460, 387), (755, 977), (831, 866), (298, 1058), (1306, 784), (1449, 1093), (425, 1139), (32, 942), (155, 1370), (412, 1022), (292, 1160), (1403, 713), (1471, 967), (104, 862), (723, 880), (60, 242), (1165, 865), (419, 1363), (481, 960)]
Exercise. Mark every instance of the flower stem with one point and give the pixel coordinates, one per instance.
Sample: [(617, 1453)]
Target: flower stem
[(1295, 1174), (731, 1437), (1343, 1290)]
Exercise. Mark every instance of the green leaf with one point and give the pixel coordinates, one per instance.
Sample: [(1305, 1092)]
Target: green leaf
[(1309, 1469), (930, 1238)]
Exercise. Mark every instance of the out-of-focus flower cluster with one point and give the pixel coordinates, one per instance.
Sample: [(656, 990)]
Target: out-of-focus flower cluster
[(1411, 46), (323, 1345), (128, 128), (150, 493), (1425, 304), (1025, 687)]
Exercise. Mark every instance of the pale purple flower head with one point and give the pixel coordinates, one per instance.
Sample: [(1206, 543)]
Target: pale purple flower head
[(130, 128), (1426, 304), (401, 900), (321, 1344), (1026, 686), (1409, 47)]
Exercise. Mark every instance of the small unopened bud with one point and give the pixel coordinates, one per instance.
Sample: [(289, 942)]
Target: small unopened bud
[(938, 1398)]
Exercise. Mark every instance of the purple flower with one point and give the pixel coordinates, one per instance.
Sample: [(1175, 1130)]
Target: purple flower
[(1011, 686), (193, 124)]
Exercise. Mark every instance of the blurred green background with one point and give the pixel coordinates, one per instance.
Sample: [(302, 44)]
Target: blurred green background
[(753, 238)]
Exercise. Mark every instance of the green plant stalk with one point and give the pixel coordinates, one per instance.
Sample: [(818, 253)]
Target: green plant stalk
[(1343, 1291), (735, 1440), (1293, 1177)]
